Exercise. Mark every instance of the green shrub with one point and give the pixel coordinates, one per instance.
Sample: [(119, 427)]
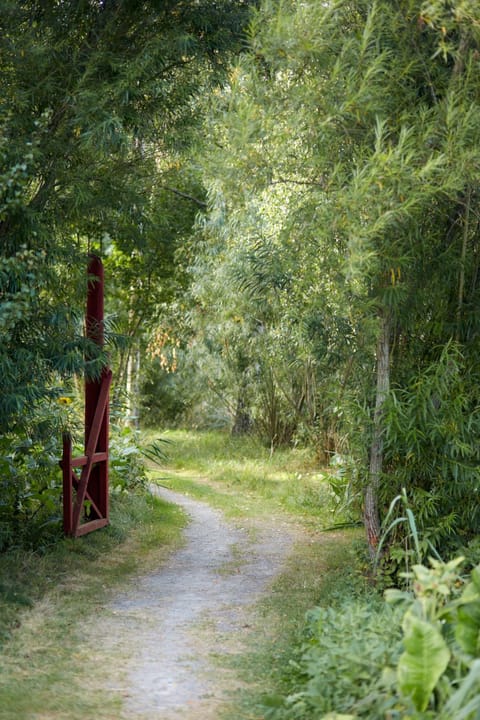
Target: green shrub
[(30, 483), (415, 656), (351, 647), (126, 466), (431, 449)]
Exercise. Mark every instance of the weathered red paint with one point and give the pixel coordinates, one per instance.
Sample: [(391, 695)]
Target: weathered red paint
[(85, 496)]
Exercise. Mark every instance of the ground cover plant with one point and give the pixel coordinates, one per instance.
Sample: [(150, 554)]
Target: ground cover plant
[(413, 654)]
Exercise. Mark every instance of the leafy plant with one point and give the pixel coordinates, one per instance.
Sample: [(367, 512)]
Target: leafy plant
[(439, 666), (417, 655), (352, 644), (431, 450), (414, 547), (127, 469), (30, 479)]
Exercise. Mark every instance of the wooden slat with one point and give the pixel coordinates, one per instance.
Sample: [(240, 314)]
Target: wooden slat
[(90, 525), (81, 460)]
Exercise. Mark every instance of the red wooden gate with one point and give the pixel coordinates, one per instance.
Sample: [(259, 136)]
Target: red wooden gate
[(85, 494)]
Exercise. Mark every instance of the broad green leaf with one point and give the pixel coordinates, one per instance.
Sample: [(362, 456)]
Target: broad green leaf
[(467, 630), (476, 578), (425, 659), (394, 596)]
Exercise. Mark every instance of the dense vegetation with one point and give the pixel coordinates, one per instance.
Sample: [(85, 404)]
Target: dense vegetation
[(289, 233), (286, 197), (98, 105)]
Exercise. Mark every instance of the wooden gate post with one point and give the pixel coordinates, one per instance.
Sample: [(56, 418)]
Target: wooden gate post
[(94, 322), (85, 496)]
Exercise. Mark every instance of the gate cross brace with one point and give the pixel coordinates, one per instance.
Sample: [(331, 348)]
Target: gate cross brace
[(73, 510)]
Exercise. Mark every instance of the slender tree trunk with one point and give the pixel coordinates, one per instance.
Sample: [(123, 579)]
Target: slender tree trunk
[(242, 423), (371, 515), (133, 390)]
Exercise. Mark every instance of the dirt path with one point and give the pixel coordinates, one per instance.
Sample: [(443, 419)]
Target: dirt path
[(172, 631)]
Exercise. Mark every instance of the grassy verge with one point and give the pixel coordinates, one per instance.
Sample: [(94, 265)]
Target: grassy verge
[(242, 477), (318, 573), (45, 666)]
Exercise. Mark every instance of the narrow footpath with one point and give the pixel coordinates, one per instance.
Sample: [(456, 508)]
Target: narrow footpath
[(170, 635)]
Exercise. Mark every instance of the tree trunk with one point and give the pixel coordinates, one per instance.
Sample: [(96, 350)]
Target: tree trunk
[(242, 423), (133, 390), (370, 513)]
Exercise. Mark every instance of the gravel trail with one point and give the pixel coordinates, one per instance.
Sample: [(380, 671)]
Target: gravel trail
[(170, 630)]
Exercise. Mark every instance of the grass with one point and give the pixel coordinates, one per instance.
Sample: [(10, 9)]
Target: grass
[(46, 668), (241, 476), (318, 573)]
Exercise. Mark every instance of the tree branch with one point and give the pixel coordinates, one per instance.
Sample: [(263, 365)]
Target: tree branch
[(185, 195)]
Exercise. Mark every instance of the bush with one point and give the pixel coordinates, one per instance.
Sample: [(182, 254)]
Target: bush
[(431, 449), (30, 482), (415, 656), (126, 466), (351, 646)]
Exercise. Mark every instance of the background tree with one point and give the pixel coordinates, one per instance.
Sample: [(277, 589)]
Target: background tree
[(366, 114), (98, 105)]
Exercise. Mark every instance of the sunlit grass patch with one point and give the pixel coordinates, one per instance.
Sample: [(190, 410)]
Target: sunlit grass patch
[(245, 476)]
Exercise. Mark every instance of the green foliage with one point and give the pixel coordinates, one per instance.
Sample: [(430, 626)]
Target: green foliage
[(352, 644), (343, 198), (423, 662), (41, 343), (414, 656), (30, 486), (431, 449), (98, 106), (127, 471), (439, 654)]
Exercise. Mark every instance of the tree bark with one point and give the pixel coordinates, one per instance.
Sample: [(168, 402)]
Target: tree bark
[(133, 390), (370, 513), (242, 423)]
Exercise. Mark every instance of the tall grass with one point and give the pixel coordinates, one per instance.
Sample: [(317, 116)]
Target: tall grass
[(244, 476)]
